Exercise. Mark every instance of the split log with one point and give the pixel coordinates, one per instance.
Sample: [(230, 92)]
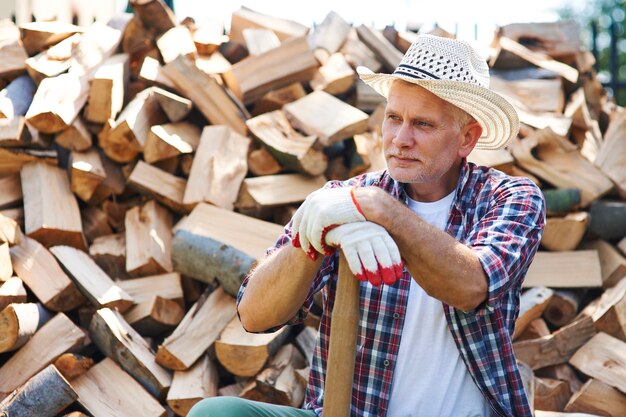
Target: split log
[(232, 390), (331, 33), (335, 77), (95, 223), (534, 330), (176, 108), (86, 174), (562, 372), (608, 219), (247, 18), (226, 246), (11, 187), (200, 327), (57, 336), (560, 163), (10, 231), (44, 395), (276, 99), (221, 158), (191, 386), (14, 132), (367, 99), (290, 148), (12, 160), (154, 15), (612, 263), (76, 137), (564, 306), (216, 64), (37, 36), (209, 37), (19, 322), (557, 39), (12, 52), (604, 358), (151, 73), (556, 348), (168, 286), (387, 53), (120, 342), (109, 252), (596, 397), (607, 311), (39, 270), (71, 365), (251, 78), (15, 98), (500, 159), (533, 95), (567, 269), (259, 41), (106, 90), (128, 134), (148, 240), (126, 396), (12, 291), (278, 383), (211, 100), (93, 282), (170, 140), (261, 162), (566, 233), (245, 354), (6, 268), (359, 54), (176, 41), (610, 158), (155, 316), (368, 156), (533, 302), (54, 61), (160, 185), (260, 195), (550, 394), (305, 341)]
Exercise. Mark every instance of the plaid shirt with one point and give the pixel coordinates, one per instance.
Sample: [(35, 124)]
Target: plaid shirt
[(501, 219)]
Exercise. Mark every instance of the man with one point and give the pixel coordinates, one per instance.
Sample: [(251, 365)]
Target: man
[(435, 331)]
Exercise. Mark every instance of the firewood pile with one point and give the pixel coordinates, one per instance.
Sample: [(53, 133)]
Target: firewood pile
[(147, 164)]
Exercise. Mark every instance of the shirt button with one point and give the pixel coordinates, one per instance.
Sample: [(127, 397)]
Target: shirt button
[(396, 315), (386, 362)]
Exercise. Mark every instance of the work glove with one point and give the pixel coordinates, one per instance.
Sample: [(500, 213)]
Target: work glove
[(371, 253), (322, 211)]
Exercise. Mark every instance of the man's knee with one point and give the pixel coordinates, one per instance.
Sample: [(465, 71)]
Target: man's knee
[(220, 407)]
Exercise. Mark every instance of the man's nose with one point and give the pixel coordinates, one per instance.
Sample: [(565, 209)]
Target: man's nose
[(404, 136)]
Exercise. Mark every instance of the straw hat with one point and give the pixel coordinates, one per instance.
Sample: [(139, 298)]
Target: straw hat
[(454, 71)]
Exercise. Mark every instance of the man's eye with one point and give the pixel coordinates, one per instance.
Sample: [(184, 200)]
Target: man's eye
[(422, 123), (392, 117)]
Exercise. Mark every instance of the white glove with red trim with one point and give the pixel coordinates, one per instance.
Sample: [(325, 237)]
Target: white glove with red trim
[(371, 253), (322, 211)]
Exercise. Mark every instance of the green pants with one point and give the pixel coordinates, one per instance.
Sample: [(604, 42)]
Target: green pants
[(238, 407)]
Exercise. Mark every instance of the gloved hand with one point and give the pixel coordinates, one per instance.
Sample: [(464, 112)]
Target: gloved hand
[(322, 211), (371, 253)]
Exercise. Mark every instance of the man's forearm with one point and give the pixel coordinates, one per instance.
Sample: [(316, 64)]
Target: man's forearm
[(277, 288)]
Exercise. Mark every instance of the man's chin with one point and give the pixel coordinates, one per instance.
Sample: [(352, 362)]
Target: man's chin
[(405, 176)]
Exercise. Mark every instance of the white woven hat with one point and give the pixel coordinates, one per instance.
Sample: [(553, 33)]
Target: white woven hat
[(454, 71)]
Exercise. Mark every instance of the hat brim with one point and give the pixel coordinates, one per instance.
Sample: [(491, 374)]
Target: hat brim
[(495, 114)]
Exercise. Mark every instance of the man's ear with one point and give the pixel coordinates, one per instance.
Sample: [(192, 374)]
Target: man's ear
[(470, 134)]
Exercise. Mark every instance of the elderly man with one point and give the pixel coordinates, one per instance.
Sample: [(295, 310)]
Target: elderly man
[(441, 247)]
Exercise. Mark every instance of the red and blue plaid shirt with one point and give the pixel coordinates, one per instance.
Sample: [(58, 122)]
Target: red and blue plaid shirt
[(501, 218)]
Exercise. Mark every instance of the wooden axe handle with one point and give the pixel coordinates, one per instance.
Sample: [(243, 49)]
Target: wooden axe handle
[(342, 349)]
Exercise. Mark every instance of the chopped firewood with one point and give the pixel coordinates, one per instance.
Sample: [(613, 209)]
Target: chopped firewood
[(190, 386), (534, 330), (290, 148), (151, 73), (367, 99), (12, 51), (259, 41), (604, 358), (176, 41), (6, 269), (86, 174), (14, 133), (596, 397), (209, 37), (533, 302), (12, 160), (558, 161), (154, 15), (612, 263), (387, 53), (36, 266), (45, 188), (608, 219), (368, 155), (232, 390), (610, 158), (500, 159), (558, 39), (535, 96), (15, 214), (169, 140), (261, 162), (75, 137), (176, 108), (305, 340), (225, 247), (579, 268), (564, 306), (15, 98), (109, 252), (71, 365), (276, 99), (53, 61), (556, 348), (95, 223), (11, 187), (125, 397), (128, 134), (120, 342), (93, 282), (211, 100), (335, 77), (148, 240), (167, 286), (37, 36), (155, 316), (218, 168), (559, 201), (278, 383), (565, 233), (46, 394), (106, 91), (54, 338), (358, 54), (216, 64), (331, 33), (259, 195), (10, 231), (251, 78), (550, 394), (12, 291), (247, 18), (245, 354), (562, 372), (18, 323), (198, 330), (164, 187)]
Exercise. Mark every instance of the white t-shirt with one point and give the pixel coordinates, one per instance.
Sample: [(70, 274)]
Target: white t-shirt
[(430, 378)]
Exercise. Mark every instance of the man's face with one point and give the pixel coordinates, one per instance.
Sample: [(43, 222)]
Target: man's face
[(421, 139)]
